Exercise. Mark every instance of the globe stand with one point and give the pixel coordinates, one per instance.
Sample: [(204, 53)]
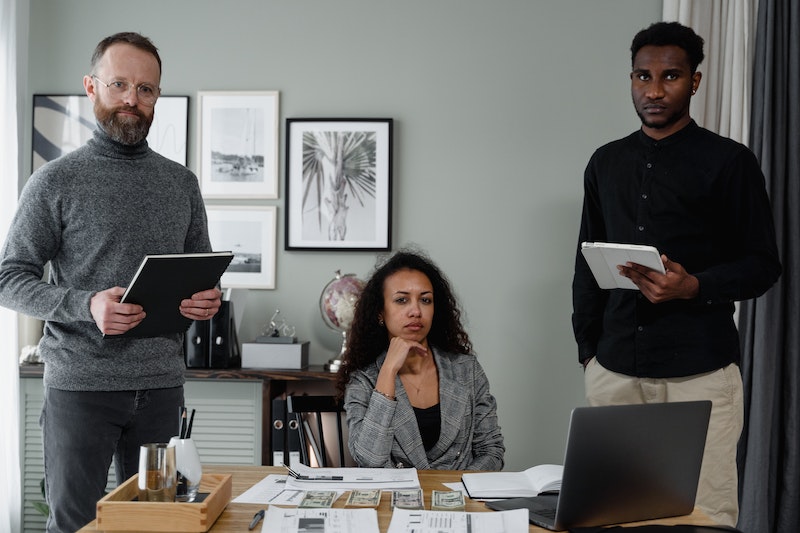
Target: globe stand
[(333, 364)]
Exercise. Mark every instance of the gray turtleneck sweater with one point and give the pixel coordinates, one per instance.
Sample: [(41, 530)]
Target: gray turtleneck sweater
[(93, 214)]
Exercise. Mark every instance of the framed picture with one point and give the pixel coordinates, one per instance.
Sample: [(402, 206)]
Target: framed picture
[(249, 232), (62, 123), (338, 184), (238, 134)]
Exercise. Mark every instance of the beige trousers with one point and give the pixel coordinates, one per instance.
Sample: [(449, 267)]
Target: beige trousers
[(717, 491)]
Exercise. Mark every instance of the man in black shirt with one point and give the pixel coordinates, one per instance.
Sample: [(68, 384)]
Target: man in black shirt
[(700, 199)]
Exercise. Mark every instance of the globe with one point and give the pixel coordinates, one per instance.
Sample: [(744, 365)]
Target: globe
[(337, 303)]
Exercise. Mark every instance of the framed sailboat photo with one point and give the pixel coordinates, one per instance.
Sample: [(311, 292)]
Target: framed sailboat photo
[(238, 134)]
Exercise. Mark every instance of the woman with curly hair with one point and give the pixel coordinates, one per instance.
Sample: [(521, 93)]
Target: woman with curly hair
[(414, 394)]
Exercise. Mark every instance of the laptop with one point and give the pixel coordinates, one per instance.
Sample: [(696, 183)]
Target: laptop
[(624, 463)]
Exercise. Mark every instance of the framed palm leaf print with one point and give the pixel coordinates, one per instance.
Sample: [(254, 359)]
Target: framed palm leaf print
[(338, 184)]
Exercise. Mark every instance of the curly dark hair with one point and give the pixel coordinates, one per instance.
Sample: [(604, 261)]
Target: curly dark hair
[(128, 37), (670, 34), (367, 338)]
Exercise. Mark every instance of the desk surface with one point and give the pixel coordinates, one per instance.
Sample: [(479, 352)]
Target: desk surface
[(237, 516)]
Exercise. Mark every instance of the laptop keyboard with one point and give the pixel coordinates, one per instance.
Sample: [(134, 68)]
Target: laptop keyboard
[(547, 513)]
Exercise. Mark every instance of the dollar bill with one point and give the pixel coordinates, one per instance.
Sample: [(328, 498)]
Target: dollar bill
[(447, 500), (407, 499), (364, 498), (318, 498)]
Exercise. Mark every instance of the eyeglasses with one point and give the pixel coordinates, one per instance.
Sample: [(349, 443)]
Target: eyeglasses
[(145, 93)]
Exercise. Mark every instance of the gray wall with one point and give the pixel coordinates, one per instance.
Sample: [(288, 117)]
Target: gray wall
[(497, 107)]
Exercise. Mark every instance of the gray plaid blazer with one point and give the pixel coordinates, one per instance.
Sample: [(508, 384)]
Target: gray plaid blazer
[(384, 433)]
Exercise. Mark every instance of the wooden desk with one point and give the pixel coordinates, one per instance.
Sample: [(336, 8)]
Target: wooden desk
[(237, 516)]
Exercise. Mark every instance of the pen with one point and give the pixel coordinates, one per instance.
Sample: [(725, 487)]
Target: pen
[(256, 519), (312, 478)]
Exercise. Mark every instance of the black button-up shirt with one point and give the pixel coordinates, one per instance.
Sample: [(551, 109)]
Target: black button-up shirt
[(700, 199)]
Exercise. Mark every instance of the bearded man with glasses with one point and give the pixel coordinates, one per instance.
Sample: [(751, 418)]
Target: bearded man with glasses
[(92, 215)]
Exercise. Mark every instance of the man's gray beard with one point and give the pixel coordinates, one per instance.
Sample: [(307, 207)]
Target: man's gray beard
[(125, 132)]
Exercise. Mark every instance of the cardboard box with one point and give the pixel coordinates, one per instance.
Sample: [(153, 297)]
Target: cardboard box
[(266, 355)]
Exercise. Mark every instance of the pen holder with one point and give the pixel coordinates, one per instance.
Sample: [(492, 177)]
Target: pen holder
[(190, 471)]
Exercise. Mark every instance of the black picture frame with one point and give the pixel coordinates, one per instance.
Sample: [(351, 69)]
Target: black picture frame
[(351, 212)]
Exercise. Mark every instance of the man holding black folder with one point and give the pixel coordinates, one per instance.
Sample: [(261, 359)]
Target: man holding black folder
[(700, 199), (93, 215)]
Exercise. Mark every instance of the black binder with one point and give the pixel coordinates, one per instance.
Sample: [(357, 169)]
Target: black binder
[(278, 438), (293, 440), (213, 343), (223, 342), (196, 344)]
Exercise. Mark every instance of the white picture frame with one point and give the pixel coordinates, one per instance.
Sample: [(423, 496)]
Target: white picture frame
[(63, 122), (238, 138), (250, 233)]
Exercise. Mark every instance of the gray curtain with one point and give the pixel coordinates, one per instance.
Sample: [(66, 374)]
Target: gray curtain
[(769, 451)]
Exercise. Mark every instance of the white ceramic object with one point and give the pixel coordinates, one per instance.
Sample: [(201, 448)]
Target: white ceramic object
[(190, 471)]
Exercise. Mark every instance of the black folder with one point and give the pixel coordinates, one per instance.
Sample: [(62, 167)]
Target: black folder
[(162, 281), (278, 438), (223, 343), (196, 346), (293, 440)]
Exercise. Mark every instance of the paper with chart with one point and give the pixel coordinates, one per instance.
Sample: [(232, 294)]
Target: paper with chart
[(283, 520), (409, 521)]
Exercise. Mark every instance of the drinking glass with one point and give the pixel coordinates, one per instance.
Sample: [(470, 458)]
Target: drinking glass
[(157, 472)]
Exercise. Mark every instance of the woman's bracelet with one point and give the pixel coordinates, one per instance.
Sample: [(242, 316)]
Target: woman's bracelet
[(387, 396)]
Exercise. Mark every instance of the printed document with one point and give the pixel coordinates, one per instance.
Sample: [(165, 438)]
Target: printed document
[(353, 478), (281, 520), (412, 521)]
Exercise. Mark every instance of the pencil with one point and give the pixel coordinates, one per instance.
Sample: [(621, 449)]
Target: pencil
[(189, 428), (183, 423)]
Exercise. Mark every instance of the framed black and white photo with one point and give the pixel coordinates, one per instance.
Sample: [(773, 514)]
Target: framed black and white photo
[(249, 232), (238, 134), (62, 123), (338, 184)]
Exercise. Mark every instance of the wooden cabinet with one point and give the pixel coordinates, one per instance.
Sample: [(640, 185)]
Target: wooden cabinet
[(274, 383), (232, 424)]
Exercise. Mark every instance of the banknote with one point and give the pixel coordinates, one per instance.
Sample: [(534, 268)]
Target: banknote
[(447, 500), (407, 499), (364, 498), (318, 498)]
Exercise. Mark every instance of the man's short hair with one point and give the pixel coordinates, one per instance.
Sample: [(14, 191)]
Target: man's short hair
[(135, 39), (670, 34)]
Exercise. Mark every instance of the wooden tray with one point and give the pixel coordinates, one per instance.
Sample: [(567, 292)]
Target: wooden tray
[(118, 510)]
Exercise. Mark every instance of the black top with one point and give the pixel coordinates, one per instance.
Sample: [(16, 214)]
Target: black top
[(429, 421), (701, 200)]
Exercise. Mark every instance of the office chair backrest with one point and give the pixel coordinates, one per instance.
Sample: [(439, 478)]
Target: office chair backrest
[(300, 406)]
